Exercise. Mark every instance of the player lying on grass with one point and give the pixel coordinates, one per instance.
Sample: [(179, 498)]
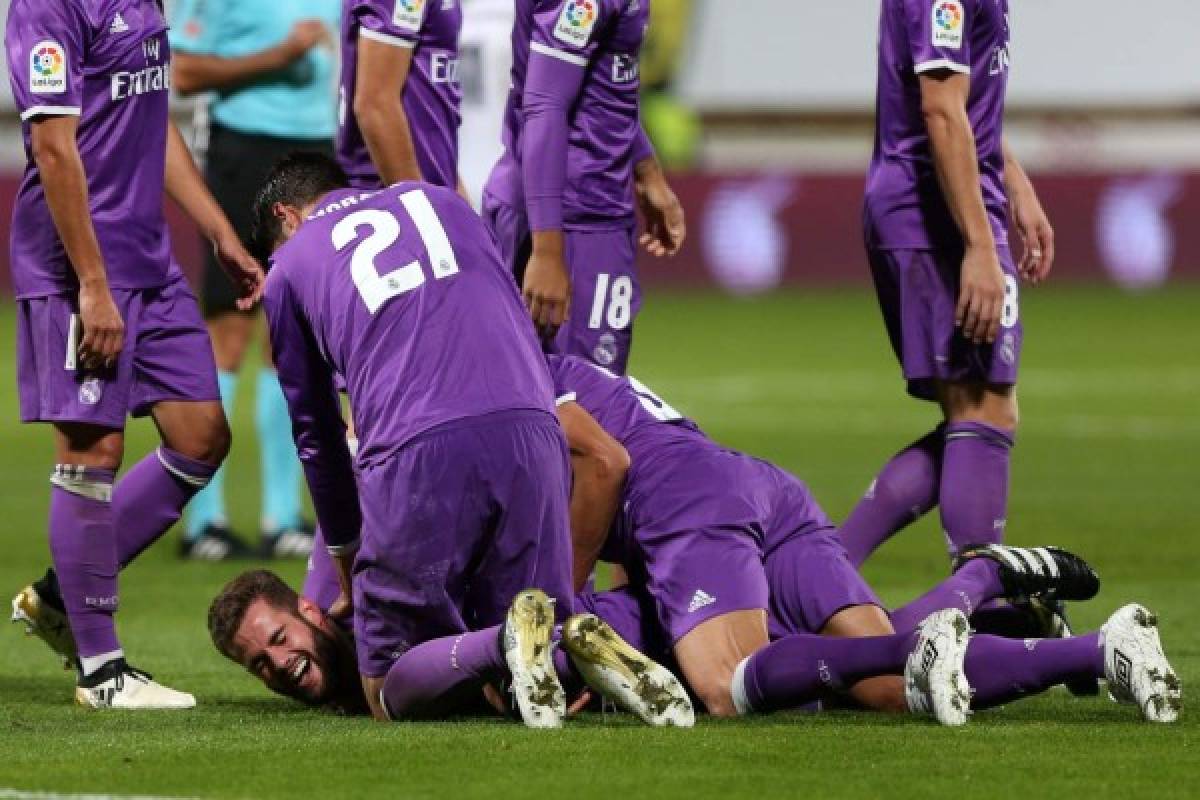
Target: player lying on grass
[(739, 559)]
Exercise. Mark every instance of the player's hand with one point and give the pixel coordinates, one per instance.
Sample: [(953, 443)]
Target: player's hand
[(1037, 235), (103, 328), (980, 295), (243, 270), (547, 291), (304, 36), (342, 608), (662, 214)]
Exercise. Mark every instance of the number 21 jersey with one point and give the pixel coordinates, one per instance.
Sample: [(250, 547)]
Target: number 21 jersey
[(401, 293)]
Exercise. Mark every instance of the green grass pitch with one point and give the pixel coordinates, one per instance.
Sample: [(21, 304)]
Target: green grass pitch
[(1107, 463)]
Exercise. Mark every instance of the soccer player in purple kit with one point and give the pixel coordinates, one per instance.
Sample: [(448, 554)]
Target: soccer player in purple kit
[(940, 190), (106, 324), (743, 567), (461, 477), (398, 105), (561, 200)]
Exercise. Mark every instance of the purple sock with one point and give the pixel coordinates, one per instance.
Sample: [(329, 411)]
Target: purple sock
[(904, 490), (151, 496), (799, 668), (974, 490), (83, 546), (968, 589), (1001, 670), (429, 672)]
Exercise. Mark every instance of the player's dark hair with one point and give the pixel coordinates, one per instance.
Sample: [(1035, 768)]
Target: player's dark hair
[(228, 608), (296, 180)]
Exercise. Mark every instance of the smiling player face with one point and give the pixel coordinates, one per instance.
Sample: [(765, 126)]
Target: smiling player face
[(294, 652)]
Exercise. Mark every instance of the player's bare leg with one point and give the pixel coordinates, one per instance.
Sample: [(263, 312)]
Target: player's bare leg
[(709, 654), (882, 693)]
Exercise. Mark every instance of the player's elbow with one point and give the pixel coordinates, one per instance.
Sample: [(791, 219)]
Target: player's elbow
[(374, 113), (185, 81), (611, 464), (49, 151)]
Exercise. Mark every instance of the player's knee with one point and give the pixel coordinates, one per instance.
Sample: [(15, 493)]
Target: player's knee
[(208, 439), (716, 694)]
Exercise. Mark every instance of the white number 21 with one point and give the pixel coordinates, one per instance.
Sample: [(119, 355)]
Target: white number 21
[(374, 287)]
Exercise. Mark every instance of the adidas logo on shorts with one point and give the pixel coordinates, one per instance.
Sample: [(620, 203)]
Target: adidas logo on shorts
[(699, 600)]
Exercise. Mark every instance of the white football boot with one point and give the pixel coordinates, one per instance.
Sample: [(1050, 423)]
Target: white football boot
[(526, 643), (935, 681), (611, 666), (118, 685), (43, 620), (1136, 668)]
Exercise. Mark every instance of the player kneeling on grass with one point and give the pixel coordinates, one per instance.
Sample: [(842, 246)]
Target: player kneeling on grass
[(292, 645), (743, 568)]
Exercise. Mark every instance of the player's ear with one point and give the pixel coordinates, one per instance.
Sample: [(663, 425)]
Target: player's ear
[(309, 610)]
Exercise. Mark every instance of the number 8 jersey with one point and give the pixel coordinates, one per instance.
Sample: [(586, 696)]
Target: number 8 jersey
[(399, 293)]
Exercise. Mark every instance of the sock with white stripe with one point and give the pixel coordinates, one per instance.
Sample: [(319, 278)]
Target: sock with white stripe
[(150, 497), (800, 668), (208, 507), (974, 488), (83, 546)]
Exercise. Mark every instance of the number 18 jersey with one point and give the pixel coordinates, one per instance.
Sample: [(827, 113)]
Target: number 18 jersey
[(401, 294)]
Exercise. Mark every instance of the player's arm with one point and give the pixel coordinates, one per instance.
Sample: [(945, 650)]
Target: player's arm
[(319, 432), (186, 187), (194, 71), (956, 162), (599, 464), (558, 64), (1030, 219), (383, 68), (64, 182), (662, 214)]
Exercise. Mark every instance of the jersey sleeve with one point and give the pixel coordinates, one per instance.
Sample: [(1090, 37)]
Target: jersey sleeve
[(195, 26), (939, 34), (394, 22), (317, 426), (46, 43), (565, 36), (571, 30)]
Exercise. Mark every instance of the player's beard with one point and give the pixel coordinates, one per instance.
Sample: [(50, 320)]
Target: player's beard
[(341, 689)]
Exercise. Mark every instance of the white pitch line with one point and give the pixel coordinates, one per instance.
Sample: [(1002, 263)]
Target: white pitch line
[(21, 794)]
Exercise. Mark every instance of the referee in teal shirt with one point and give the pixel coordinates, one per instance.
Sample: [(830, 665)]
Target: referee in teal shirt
[(270, 67)]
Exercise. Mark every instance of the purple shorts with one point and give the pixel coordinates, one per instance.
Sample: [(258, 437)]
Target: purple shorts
[(918, 294), (811, 578), (459, 521), (167, 356), (605, 294)]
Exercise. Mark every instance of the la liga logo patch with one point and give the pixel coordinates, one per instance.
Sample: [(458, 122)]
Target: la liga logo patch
[(576, 21), (948, 23), (48, 68), (408, 14)]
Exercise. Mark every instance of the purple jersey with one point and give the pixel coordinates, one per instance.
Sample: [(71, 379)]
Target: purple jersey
[(399, 292), (574, 108), (679, 479), (106, 61), (431, 93), (905, 208)]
